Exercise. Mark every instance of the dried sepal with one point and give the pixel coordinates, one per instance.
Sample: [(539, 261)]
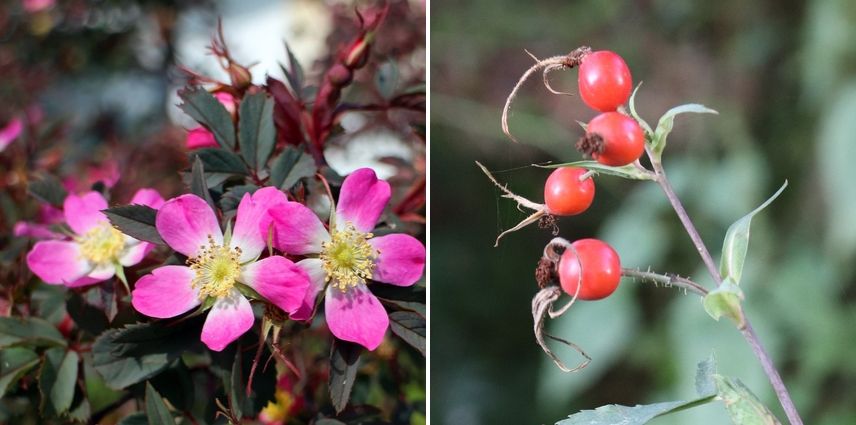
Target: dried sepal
[(540, 209)]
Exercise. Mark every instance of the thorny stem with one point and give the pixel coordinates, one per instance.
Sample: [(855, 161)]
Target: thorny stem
[(672, 280), (747, 331)]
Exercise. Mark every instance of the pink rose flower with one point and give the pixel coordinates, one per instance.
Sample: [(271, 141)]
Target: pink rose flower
[(349, 255), (11, 132), (96, 250), (217, 265)]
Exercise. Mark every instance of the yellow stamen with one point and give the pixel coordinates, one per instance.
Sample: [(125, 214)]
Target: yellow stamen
[(348, 258), (215, 269), (102, 244)]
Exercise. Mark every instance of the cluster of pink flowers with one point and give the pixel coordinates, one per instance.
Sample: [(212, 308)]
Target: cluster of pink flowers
[(224, 268)]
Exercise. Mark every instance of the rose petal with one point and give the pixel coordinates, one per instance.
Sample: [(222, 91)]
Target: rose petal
[(186, 222), (317, 280), (10, 132), (200, 137), (165, 292), (83, 212), (228, 319), (34, 230), (296, 229), (401, 260), (252, 212), (278, 280), (57, 262), (362, 200), (135, 252), (356, 315), (148, 197)]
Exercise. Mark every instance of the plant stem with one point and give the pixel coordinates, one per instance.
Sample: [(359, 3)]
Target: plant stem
[(747, 331), (686, 221), (672, 280)]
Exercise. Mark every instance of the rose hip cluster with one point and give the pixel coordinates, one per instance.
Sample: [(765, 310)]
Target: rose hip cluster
[(612, 138)]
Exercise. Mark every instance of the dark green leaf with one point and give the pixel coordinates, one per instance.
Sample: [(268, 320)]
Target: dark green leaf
[(14, 363), (725, 301), (289, 167), (136, 221), (410, 327), (221, 161), (329, 421), (57, 380), (344, 359), (626, 171), (743, 406), (736, 242), (256, 129), (137, 352), (208, 111), (49, 189), (198, 185), (410, 298), (86, 316), (294, 73), (30, 331), (138, 418), (667, 121), (237, 395), (232, 198), (81, 411), (156, 409)]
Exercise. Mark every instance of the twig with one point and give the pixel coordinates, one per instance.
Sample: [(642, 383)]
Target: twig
[(672, 280), (747, 331)]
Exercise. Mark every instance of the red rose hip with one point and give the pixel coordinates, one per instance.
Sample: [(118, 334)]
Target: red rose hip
[(565, 194), (604, 80), (601, 269), (622, 139)]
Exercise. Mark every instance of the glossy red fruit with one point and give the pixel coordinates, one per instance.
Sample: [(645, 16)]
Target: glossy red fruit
[(604, 80), (601, 269), (565, 194), (623, 138)]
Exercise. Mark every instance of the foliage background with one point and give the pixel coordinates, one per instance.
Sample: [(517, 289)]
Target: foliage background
[(783, 77)]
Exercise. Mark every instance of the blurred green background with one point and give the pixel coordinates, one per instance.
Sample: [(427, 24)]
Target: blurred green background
[(782, 74)]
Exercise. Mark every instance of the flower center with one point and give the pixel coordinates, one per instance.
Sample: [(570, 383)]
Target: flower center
[(348, 258), (101, 244), (215, 269)]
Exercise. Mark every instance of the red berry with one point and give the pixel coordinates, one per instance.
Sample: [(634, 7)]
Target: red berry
[(605, 81), (623, 140), (565, 194), (601, 269)]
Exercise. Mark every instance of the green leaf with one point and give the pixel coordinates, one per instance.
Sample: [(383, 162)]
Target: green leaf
[(31, 331), (643, 123), (640, 414), (344, 359), (736, 242), (256, 130), (57, 380), (410, 327), (667, 121), (230, 200), (234, 385), (156, 409), (14, 363), (138, 418), (198, 184), (743, 406), (409, 298), (221, 161), (209, 112), (289, 167), (49, 189), (136, 221), (725, 301), (294, 73), (137, 352), (626, 171)]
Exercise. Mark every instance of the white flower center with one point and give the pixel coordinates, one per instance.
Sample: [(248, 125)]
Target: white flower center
[(215, 269), (348, 258), (101, 244)]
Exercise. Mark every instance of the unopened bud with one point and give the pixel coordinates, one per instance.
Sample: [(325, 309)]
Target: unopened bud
[(241, 77)]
